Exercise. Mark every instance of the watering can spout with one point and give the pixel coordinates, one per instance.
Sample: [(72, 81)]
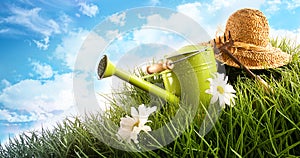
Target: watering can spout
[(106, 69)]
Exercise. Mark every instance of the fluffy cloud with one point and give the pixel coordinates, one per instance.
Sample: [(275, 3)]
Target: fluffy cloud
[(199, 12), (216, 5), (193, 10), (39, 96), (43, 70), (154, 2), (293, 4), (32, 20), (64, 20), (12, 116), (85, 73), (89, 10), (30, 104), (292, 35), (89, 52), (4, 31), (154, 36), (112, 34), (213, 15), (42, 44), (190, 31), (118, 19), (273, 5), (80, 52), (5, 83), (67, 50)]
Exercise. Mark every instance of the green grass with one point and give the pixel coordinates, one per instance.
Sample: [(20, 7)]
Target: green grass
[(260, 125)]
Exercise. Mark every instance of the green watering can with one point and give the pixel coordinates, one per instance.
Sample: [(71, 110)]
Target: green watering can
[(201, 63)]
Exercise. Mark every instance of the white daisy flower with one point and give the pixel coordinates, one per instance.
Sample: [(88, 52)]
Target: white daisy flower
[(130, 127), (220, 90)]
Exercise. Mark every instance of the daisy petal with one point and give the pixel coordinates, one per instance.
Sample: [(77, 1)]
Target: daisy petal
[(130, 127), (220, 90), (134, 112)]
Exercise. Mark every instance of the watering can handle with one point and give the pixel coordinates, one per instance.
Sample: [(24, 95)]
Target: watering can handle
[(159, 67), (169, 65)]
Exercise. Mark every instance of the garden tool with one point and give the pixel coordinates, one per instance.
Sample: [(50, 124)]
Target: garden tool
[(186, 62), (224, 47)]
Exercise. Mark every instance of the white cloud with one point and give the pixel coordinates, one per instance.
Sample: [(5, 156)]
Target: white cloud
[(192, 10), (43, 70), (5, 83), (89, 10), (69, 47), (82, 46), (140, 16), (3, 30), (118, 19), (32, 20), (154, 36), (39, 99), (112, 34), (154, 2), (216, 5), (42, 44), (16, 123), (85, 73), (89, 52), (273, 6), (174, 24), (119, 47), (293, 4), (12, 116), (65, 20), (80, 52), (200, 13), (43, 103), (214, 14), (292, 35)]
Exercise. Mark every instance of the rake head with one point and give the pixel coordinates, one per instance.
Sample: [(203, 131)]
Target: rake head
[(221, 45)]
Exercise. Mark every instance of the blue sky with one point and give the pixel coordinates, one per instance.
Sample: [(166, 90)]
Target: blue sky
[(41, 39)]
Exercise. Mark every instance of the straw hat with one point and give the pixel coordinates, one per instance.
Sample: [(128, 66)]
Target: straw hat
[(250, 31)]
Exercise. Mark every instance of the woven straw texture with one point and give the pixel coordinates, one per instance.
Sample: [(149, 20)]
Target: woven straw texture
[(249, 29)]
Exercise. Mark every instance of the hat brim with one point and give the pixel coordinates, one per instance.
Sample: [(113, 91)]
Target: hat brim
[(269, 57)]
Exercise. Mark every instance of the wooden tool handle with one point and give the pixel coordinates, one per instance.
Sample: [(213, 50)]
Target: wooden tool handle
[(159, 67)]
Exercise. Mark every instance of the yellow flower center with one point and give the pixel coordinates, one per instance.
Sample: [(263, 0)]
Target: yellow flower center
[(135, 124), (220, 89)]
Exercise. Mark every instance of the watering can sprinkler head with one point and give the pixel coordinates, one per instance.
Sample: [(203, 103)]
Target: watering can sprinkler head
[(105, 68)]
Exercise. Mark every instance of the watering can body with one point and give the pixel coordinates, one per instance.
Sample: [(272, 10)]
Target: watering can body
[(201, 64)]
